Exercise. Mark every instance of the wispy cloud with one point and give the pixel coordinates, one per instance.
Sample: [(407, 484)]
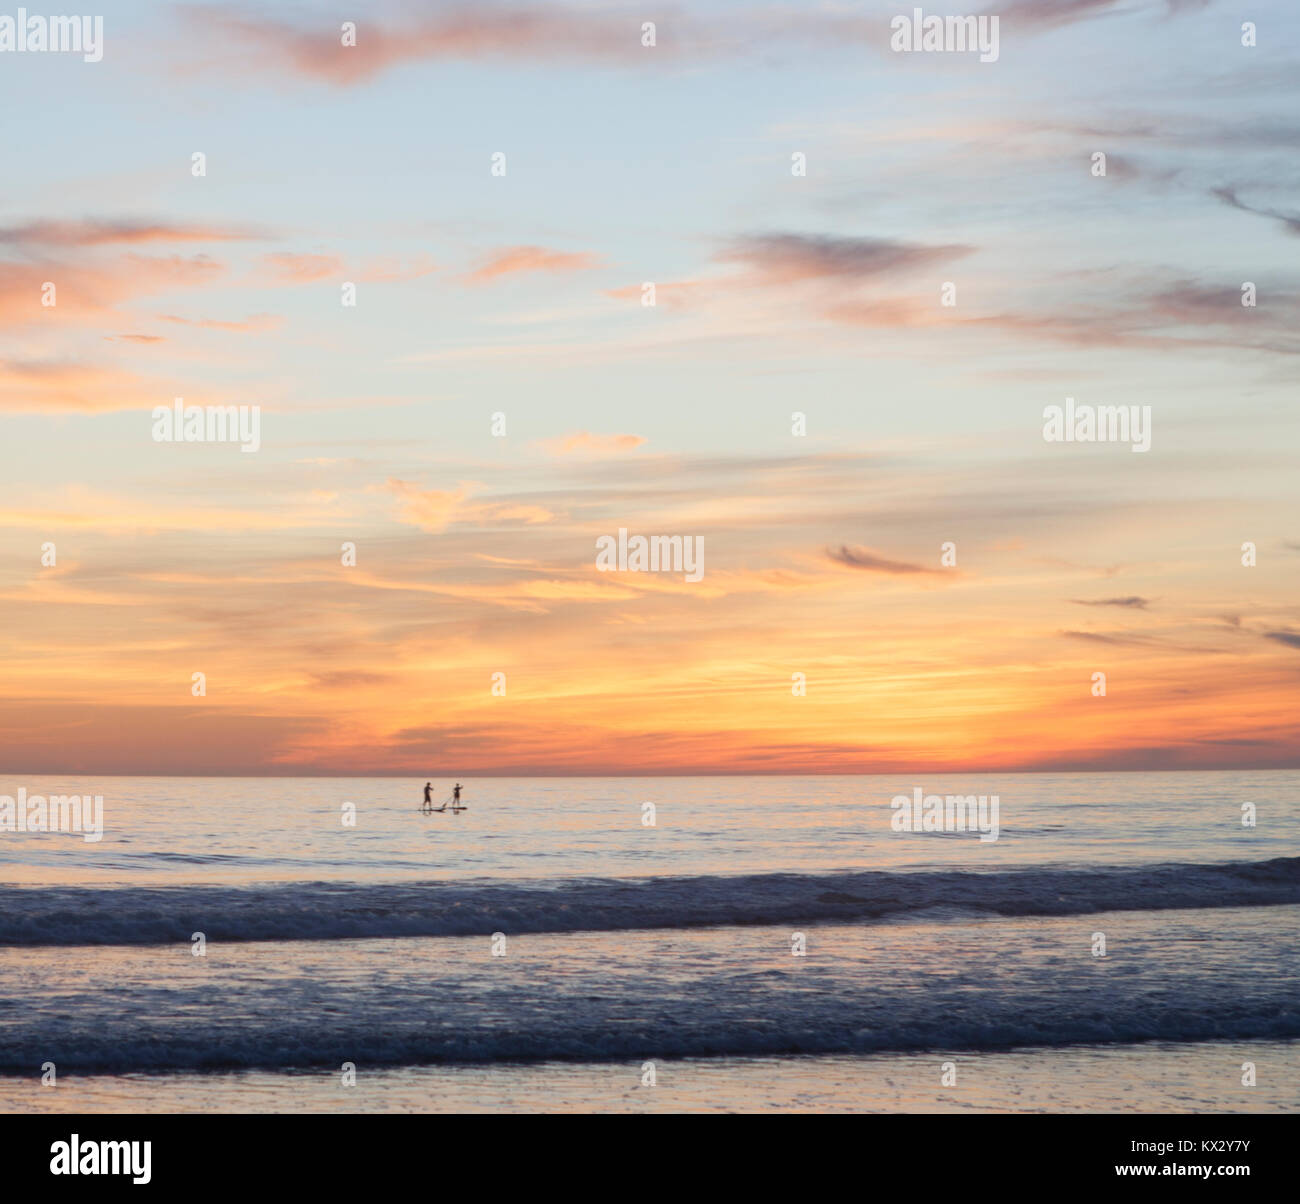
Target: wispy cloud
[(1039, 15), (92, 291), (437, 509), (243, 39), (585, 441), (255, 324), (390, 270), (288, 267), (1290, 221), (785, 258), (93, 232), (40, 386), (1132, 602), (453, 32), (1099, 637), (510, 261), (864, 558)]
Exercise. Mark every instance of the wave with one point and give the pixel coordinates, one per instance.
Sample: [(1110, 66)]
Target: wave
[(336, 911), (655, 994), (282, 1049)]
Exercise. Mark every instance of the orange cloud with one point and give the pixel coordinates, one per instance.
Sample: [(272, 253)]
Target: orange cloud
[(98, 233), (512, 260), (386, 271), (36, 387), (256, 324), (675, 294), (436, 509), (92, 292), (585, 441), (287, 267)]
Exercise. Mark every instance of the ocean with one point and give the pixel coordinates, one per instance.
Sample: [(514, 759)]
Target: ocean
[(655, 944)]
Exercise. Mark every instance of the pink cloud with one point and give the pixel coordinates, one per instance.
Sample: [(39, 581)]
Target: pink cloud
[(288, 267), (511, 260), (97, 233), (455, 32)]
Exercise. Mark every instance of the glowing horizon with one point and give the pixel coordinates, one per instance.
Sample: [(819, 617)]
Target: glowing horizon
[(777, 294)]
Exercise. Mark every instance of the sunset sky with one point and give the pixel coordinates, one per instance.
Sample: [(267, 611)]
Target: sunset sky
[(777, 293)]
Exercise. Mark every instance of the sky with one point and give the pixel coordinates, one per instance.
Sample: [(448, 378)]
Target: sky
[(500, 395)]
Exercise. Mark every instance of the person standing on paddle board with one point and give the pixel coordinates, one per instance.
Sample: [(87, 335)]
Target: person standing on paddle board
[(455, 796), (428, 794)]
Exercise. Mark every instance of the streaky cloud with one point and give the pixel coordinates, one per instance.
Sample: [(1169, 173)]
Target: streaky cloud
[(786, 257), (98, 233), (1133, 601), (1290, 221), (864, 558)]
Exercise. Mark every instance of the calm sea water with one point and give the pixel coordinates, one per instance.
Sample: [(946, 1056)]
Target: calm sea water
[(767, 942)]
